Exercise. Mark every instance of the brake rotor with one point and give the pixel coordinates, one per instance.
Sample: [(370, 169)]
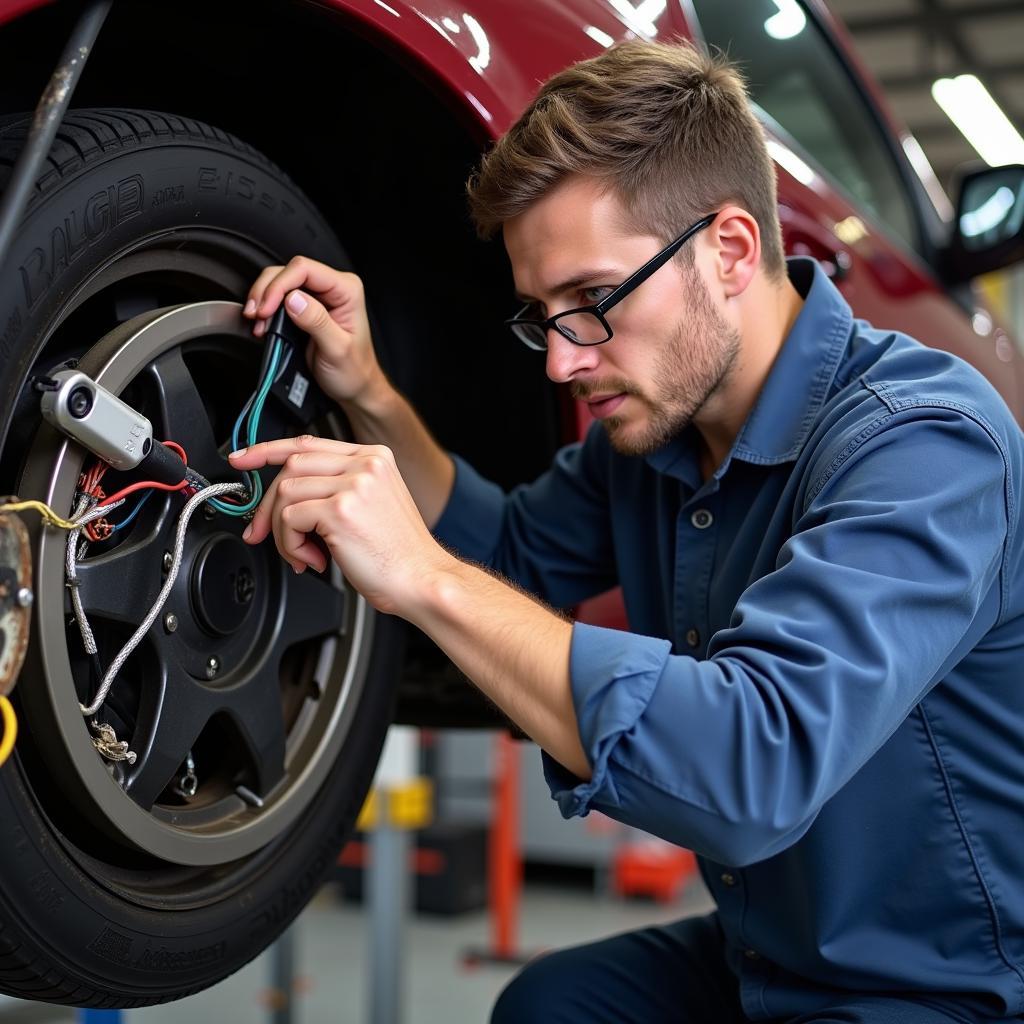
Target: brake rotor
[(15, 598)]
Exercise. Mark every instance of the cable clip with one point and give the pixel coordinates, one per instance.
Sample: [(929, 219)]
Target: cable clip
[(109, 745), (43, 383), (188, 785)]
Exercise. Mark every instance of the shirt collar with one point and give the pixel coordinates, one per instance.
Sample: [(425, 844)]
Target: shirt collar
[(797, 384), (802, 374)]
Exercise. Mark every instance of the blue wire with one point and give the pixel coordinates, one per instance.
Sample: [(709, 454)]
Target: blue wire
[(134, 512)]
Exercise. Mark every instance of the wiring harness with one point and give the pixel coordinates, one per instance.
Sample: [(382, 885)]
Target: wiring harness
[(90, 523)]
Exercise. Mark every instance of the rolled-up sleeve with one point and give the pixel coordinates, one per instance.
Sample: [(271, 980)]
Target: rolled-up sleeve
[(552, 536), (893, 571)]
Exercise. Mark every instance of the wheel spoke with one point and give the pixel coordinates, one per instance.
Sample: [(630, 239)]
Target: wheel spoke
[(122, 583), (256, 710), (315, 608), (183, 413), (168, 725)]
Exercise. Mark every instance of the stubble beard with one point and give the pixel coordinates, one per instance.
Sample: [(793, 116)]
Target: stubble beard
[(691, 367)]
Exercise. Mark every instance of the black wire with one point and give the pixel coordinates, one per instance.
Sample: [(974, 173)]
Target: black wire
[(46, 120)]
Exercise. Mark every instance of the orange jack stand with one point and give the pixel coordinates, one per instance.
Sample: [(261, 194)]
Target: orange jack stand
[(504, 862)]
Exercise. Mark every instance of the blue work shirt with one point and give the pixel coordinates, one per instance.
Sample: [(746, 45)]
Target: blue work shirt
[(823, 691)]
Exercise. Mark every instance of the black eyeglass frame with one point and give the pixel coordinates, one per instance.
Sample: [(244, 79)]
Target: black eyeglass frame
[(599, 309)]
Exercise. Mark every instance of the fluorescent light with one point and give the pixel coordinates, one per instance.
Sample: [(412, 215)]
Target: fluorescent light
[(924, 171), (598, 36), (790, 161), (969, 106), (788, 22)]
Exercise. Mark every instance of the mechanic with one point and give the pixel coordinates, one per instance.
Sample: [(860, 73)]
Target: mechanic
[(814, 525)]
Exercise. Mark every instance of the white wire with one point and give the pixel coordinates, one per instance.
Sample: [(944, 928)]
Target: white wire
[(172, 574), (82, 515)]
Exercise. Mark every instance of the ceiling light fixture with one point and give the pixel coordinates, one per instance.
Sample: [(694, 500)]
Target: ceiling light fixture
[(971, 108)]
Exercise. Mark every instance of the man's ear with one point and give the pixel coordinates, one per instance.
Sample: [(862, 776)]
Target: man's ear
[(736, 241)]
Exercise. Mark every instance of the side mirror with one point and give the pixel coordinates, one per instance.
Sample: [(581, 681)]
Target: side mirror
[(989, 230)]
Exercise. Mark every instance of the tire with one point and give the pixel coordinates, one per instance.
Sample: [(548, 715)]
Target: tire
[(140, 221)]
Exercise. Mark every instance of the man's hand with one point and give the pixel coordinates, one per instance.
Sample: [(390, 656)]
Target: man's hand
[(330, 306), (354, 498)]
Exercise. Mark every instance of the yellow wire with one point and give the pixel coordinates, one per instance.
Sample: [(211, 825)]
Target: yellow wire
[(44, 510), (10, 729)]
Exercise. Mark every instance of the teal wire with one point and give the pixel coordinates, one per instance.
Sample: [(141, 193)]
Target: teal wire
[(254, 407), (237, 428)]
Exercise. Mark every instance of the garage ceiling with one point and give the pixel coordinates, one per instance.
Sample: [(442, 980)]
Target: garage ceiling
[(907, 44)]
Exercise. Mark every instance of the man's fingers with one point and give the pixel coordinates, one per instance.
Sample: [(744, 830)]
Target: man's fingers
[(258, 289), (334, 286), (300, 519), (311, 315), (291, 492), (275, 453), (322, 462), (308, 553)]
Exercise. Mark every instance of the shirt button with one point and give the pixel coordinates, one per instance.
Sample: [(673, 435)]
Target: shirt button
[(752, 954), (728, 879), (692, 637), (702, 518)]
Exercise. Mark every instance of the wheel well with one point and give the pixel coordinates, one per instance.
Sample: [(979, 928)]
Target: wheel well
[(382, 153)]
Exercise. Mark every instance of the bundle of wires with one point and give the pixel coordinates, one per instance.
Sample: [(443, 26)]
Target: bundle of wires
[(247, 425), (89, 485)]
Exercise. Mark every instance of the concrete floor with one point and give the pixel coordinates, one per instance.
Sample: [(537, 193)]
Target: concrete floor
[(331, 939)]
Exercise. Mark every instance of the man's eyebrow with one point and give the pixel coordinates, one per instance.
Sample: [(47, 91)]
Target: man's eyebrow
[(576, 280)]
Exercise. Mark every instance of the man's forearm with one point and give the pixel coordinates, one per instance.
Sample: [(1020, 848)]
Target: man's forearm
[(513, 648), (387, 418)]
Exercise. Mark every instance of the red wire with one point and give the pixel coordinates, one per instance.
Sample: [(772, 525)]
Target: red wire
[(177, 447), (144, 484)]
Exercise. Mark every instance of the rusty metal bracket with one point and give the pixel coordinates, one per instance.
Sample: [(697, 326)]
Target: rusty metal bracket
[(16, 598)]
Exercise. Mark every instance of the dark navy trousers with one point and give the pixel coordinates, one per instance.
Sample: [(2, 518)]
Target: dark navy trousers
[(671, 974)]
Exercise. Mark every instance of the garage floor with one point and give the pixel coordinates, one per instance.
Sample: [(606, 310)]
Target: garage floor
[(330, 952)]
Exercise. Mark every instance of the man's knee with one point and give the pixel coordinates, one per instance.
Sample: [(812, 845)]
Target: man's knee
[(533, 994)]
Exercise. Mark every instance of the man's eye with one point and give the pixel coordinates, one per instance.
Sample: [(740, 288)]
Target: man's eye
[(596, 293)]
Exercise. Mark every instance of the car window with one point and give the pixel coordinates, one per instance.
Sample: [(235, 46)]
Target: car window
[(796, 77)]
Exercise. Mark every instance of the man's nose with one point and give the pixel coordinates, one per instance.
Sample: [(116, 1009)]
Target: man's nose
[(565, 360)]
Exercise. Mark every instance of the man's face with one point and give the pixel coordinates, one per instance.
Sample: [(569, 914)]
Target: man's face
[(671, 348)]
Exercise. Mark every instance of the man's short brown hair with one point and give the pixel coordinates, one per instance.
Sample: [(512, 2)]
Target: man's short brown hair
[(667, 127)]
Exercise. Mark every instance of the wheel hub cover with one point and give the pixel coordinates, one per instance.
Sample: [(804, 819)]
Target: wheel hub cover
[(224, 584)]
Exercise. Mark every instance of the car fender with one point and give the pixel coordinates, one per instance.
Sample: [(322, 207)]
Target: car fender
[(490, 57)]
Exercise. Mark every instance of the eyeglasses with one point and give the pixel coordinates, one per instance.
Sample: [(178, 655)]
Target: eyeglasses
[(586, 325)]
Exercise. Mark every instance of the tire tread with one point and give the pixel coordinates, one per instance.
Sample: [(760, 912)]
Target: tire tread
[(88, 135)]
